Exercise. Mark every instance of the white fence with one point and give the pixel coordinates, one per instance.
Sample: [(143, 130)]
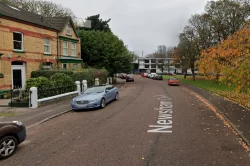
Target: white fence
[(34, 101)]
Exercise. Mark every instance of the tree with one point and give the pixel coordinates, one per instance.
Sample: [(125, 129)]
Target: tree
[(105, 50), (230, 58), (134, 55), (182, 48), (42, 7), (226, 17), (163, 53), (97, 24), (221, 19)]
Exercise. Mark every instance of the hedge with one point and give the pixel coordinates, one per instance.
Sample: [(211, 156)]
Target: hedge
[(61, 79), (48, 73), (67, 77), (90, 74), (57, 84), (39, 82)]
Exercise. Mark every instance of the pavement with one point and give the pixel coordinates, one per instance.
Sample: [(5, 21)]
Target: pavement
[(31, 117), (237, 115), (151, 124)]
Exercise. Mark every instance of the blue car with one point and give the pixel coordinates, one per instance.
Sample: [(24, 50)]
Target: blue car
[(95, 97)]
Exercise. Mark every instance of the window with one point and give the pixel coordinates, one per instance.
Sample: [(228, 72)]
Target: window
[(75, 66), (109, 87), (47, 66), (65, 48), (153, 60), (47, 49), (68, 30), (18, 41), (153, 66), (64, 66), (73, 49)]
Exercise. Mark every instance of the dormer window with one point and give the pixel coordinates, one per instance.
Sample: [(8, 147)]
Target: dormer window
[(68, 30)]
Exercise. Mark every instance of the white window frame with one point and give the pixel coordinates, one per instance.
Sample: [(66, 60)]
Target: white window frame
[(49, 45), (68, 32), (18, 41), (67, 44), (66, 66), (73, 49)]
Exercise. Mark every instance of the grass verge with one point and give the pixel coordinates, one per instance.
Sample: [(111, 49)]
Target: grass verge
[(218, 88), (7, 114)]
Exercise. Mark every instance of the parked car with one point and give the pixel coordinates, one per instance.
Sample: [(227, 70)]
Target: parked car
[(95, 97), (11, 135), (123, 76), (173, 81), (152, 75), (158, 77), (130, 78), (148, 75), (145, 74)]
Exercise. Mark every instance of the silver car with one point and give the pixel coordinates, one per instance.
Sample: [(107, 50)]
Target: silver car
[(95, 97)]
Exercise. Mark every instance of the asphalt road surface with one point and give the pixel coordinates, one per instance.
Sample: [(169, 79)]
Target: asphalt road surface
[(151, 124)]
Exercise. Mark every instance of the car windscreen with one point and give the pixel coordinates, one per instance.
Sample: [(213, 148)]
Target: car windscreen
[(97, 89), (174, 78)]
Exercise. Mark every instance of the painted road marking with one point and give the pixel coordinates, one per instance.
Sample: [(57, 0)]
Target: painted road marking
[(165, 116)]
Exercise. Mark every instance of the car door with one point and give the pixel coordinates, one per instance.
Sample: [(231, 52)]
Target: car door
[(108, 93)]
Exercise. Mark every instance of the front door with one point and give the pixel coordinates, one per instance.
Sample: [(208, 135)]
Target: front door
[(18, 75), (17, 78)]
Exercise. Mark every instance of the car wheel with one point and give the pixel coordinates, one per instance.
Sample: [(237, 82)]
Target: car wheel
[(8, 146), (117, 96), (103, 103)]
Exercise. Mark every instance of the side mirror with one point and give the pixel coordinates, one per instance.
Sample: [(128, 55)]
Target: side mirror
[(106, 90)]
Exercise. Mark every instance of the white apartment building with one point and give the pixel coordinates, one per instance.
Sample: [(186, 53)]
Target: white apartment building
[(154, 65)]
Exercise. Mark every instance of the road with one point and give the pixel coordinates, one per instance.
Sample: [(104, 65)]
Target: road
[(123, 134)]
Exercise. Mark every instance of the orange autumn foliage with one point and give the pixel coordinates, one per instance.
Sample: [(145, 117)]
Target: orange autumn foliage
[(231, 58)]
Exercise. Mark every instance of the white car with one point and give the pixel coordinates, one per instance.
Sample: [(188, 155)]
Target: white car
[(153, 75)]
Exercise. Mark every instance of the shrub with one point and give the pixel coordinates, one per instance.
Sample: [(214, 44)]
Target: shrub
[(48, 73), (61, 79), (90, 74), (39, 82), (84, 75), (103, 75)]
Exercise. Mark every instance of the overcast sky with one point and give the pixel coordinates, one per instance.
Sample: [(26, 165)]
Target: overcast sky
[(141, 24)]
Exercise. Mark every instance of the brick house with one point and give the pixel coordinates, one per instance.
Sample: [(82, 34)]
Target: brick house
[(30, 42)]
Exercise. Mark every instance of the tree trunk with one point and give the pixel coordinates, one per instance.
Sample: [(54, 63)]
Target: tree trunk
[(217, 77), (192, 69), (185, 73)]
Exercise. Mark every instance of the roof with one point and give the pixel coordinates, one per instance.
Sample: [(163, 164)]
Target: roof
[(58, 22), (23, 15)]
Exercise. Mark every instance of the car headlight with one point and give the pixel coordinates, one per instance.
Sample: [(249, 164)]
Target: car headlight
[(18, 123)]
